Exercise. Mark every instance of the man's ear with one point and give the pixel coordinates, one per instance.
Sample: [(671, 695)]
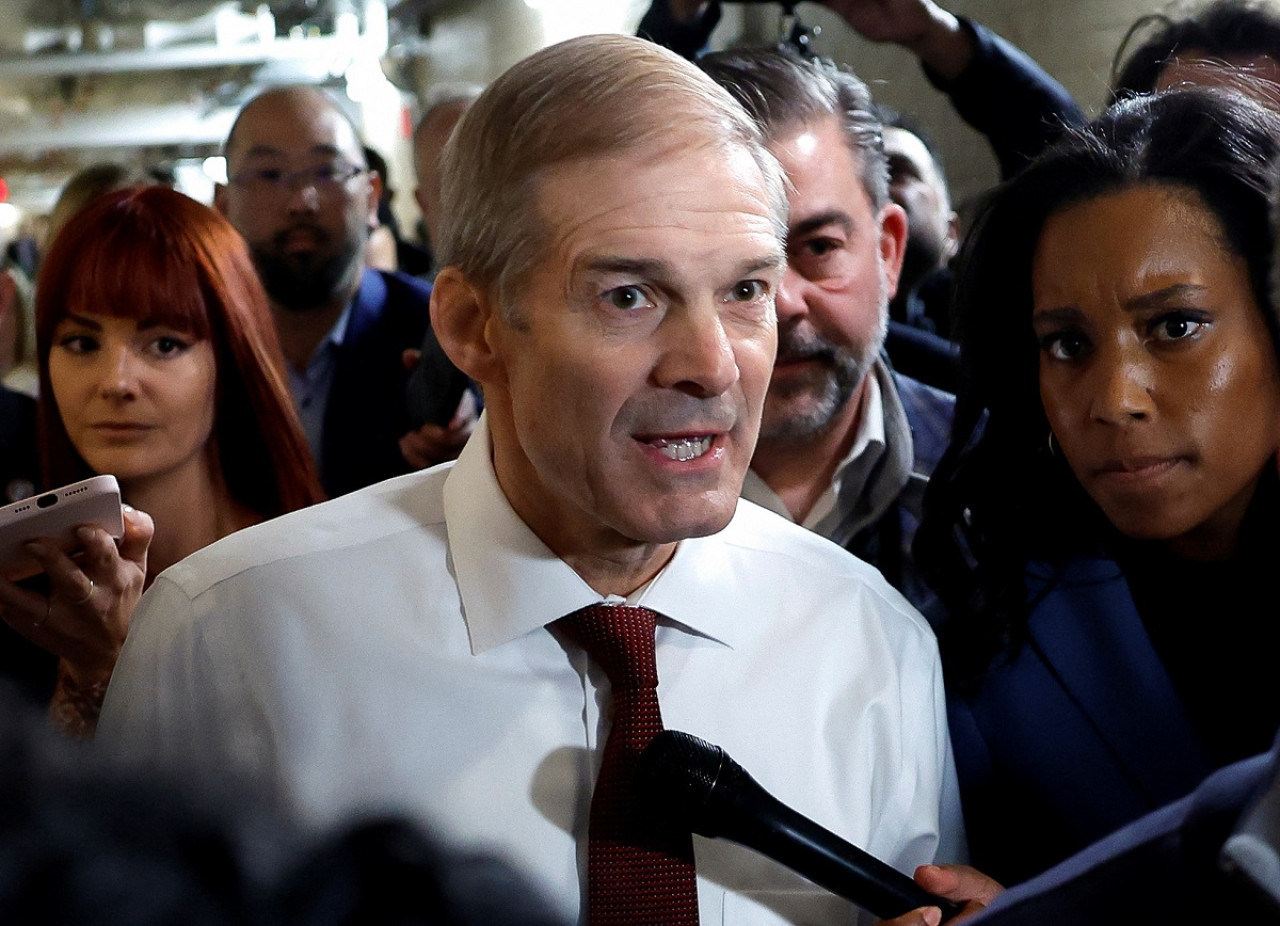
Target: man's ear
[(893, 244), (461, 316), (953, 236), (375, 196)]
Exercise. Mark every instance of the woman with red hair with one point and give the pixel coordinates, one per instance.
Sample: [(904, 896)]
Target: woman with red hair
[(159, 364)]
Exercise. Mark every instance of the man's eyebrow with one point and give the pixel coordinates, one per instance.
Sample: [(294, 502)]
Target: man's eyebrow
[(764, 262), (821, 220), (638, 266), (651, 268)]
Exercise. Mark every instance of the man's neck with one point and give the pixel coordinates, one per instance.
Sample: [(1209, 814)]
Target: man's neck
[(302, 330), (623, 573), (799, 472)]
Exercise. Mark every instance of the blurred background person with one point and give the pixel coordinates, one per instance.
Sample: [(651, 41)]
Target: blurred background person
[(158, 365), (86, 843), (1223, 40), (388, 248), (303, 197), (439, 116)]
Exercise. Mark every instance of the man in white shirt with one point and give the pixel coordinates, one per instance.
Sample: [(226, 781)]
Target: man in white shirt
[(847, 444), (612, 243)]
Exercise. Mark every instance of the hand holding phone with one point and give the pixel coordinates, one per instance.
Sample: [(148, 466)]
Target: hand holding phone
[(56, 515)]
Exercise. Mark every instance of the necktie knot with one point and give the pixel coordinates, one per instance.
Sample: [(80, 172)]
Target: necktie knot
[(619, 639)]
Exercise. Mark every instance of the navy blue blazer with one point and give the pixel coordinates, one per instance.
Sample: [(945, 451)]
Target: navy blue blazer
[(1080, 734), (1167, 867), (366, 413)]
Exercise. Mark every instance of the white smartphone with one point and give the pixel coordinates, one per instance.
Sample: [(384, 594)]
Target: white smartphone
[(56, 515)]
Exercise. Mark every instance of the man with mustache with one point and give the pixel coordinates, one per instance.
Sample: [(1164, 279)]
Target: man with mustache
[(301, 193), (460, 645), (846, 444)]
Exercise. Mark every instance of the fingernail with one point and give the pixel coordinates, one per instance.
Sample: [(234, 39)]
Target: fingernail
[(126, 507), (84, 534), (933, 916), (36, 548)]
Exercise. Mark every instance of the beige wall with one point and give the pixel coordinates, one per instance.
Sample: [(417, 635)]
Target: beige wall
[(1074, 40)]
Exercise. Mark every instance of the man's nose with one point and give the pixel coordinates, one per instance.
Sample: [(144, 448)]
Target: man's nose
[(698, 353), (302, 193), (790, 296)]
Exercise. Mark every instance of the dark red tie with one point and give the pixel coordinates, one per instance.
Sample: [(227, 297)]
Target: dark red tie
[(638, 870)]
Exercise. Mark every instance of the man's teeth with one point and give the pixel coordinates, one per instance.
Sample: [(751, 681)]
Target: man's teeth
[(686, 448)]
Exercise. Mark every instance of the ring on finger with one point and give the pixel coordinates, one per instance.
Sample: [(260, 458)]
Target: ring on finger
[(87, 595)]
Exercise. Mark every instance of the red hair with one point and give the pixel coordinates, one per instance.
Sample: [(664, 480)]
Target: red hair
[(154, 254)]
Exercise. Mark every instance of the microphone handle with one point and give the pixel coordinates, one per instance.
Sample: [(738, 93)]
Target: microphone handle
[(786, 836)]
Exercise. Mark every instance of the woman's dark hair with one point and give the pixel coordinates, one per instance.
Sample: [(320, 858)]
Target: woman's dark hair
[(999, 497), (156, 254), (1221, 29)]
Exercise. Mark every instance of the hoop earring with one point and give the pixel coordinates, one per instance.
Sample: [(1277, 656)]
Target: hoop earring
[(1053, 451)]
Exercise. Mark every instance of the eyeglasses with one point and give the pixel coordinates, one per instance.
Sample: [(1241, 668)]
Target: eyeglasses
[(325, 179)]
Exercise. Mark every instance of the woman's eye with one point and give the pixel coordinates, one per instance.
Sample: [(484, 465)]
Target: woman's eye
[(626, 298), (1176, 327), (747, 290), (169, 346), (1063, 345), (78, 343)]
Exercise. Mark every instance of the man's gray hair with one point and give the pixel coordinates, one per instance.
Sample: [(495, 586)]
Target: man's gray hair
[(785, 92), (588, 97)]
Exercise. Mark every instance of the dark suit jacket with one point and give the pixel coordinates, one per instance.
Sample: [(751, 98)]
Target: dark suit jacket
[(365, 416), (1167, 867), (1082, 733)]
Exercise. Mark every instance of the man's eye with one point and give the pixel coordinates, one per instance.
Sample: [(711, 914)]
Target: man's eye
[(820, 247), (626, 298), (748, 290), (267, 174)]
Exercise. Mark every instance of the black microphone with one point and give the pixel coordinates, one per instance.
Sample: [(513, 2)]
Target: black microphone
[(697, 785)]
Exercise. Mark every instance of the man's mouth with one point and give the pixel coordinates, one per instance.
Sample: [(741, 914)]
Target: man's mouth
[(682, 449), (300, 238)]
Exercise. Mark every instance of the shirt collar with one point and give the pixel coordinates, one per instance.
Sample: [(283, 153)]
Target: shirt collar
[(511, 583)]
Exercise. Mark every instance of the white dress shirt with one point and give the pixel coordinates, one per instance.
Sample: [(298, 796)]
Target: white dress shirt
[(388, 651)]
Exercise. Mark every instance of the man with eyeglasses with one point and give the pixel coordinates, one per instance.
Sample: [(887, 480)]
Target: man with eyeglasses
[(301, 193)]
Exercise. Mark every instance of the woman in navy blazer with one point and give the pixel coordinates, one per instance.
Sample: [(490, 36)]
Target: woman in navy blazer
[(1101, 529)]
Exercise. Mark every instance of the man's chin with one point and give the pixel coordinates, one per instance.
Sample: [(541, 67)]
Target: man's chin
[(698, 518), (798, 417)]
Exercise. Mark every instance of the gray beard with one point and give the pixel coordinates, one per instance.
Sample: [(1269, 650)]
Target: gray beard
[(826, 393)]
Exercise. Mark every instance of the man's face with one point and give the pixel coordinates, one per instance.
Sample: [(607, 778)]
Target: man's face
[(306, 232), (843, 258), (917, 185), (627, 382)]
